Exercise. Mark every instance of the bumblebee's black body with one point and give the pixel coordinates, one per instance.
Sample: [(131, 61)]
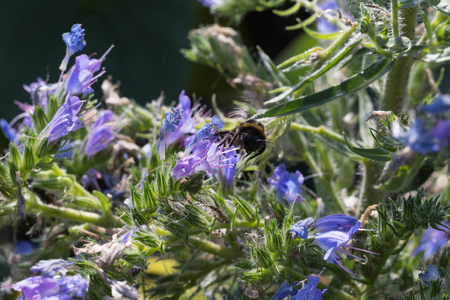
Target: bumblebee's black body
[(249, 135)]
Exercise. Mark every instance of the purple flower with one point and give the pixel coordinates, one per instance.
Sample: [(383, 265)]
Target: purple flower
[(417, 137), (299, 229), (440, 105), (40, 287), (195, 162), (74, 41), (432, 241), (81, 76), (286, 184), (430, 275), (39, 92), (309, 290), (51, 267), (65, 120), (101, 134), (206, 156), (169, 124), (37, 287)]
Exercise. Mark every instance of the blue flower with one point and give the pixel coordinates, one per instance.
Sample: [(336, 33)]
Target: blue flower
[(226, 174), (189, 120), (299, 229), (206, 154), (323, 26), (81, 76), (37, 287), (9, 132), (169, 124), (417, 137), (433, 240), (39, 92), (286, 184), (197, 161), (285, 291), (40, 287), (332, 233), (25, 247), (65, 120), (430, 275), (442, 133), (309, 290), (101, 134), (180, 128), (49, 268), (209, 3), (74, 41), (207, 131), (339, 222), (439, 106), (72, 286)]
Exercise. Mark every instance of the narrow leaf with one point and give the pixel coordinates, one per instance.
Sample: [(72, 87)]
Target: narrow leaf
[(377, 154), (325, 67), (351, 85)]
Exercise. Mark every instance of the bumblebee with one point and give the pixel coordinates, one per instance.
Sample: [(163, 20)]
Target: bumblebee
[(249, 135)]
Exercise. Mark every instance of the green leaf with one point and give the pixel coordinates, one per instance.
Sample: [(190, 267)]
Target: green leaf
[(377, 154), (408, 3), (272, 68), (351, 85), (290, 11), (403, 176), (104, 201), (325, 67), (322, 36), (28, 158)]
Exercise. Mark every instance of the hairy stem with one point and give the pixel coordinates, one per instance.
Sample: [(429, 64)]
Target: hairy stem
[(397, 79)]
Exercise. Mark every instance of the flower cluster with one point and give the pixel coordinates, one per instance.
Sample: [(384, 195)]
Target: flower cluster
[(179, 124), (332, 233), (53, 282), (205, 153)]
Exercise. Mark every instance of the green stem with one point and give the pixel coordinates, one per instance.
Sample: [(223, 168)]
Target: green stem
[(325, 180), (212, 248), (253, 224), (395, 25), (35, 205), (397, 79), (324, 55), (319, 130), (370, 180)]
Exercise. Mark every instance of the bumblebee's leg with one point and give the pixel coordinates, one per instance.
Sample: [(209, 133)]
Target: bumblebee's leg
[(223, 133)]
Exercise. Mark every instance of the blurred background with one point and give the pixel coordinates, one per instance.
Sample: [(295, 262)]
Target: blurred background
[(147, 35)]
